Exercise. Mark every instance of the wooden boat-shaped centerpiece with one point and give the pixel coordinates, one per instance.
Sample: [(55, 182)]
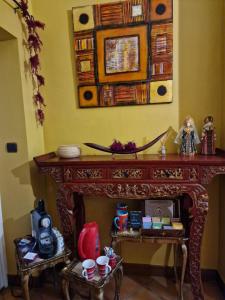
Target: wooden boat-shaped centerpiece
[(129, 148)]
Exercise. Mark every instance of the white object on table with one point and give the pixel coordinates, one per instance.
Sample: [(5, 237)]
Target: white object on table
[(68, 151)]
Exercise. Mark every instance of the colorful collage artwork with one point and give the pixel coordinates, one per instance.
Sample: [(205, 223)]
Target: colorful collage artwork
[(124, 53), (121, 54)]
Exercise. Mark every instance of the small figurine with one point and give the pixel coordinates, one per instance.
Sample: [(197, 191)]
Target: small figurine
[(163, 150), (187, 137), (163, 143), (208, 137)]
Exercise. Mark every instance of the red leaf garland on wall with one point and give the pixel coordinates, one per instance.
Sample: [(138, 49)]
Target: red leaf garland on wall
[(40, 115), (40, 79), (34, 63), (24, 8), (38, 99), (34, 45), (34, 42)]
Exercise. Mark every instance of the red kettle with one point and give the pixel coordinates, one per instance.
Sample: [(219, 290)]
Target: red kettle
[(88, 242)]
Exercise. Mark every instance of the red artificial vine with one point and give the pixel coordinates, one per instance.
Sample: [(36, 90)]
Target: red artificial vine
[(34, 45)]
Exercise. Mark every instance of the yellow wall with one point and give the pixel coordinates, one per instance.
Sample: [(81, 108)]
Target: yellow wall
[(222, 195), (17, 124), (201, 54)]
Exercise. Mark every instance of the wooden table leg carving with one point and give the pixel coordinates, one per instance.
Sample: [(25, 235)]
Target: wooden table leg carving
[(199, 213), (175, 255), (65, 207), (184, 263), (79, 213), (25, 285), (118, 276), (65, 288), (71, 209), (97, 294)]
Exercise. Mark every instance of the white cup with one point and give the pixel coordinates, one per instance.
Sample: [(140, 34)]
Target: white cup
[(103, 265), (88, 269)]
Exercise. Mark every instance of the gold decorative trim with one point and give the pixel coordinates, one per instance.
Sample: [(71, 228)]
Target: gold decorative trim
[(89, 174), (170, 173), (127, 173)]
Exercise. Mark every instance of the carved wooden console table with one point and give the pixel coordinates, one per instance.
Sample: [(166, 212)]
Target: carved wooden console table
[(148, 176)]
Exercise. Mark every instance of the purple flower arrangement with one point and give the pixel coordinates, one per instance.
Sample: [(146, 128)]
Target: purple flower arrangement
[(117, 146), (130, 146)]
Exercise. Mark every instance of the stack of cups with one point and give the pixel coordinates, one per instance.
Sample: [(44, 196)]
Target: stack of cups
[(103, 265), (88, 269)]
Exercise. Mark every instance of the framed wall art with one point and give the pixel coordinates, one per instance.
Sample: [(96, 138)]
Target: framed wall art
[(124, 53)]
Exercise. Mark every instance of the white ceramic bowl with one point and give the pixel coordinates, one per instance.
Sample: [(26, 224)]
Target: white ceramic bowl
[(67, 147), (68, 151)]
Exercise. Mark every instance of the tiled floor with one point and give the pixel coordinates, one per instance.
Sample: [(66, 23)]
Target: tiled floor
[(133, 288)]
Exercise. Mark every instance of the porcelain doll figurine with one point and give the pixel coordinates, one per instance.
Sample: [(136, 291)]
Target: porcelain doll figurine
[(208, 137), (187, 137)]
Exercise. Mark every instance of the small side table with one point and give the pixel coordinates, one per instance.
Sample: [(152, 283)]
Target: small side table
[(25, 270), (72, 273), (117, 239)]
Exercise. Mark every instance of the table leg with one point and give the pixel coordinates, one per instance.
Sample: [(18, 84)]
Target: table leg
[(65, 288), (118, 276), (79, 214), (116, 245), (175, 255), (65, 206), (184, 263), (25, 285), (196, 233), (97, 294)]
